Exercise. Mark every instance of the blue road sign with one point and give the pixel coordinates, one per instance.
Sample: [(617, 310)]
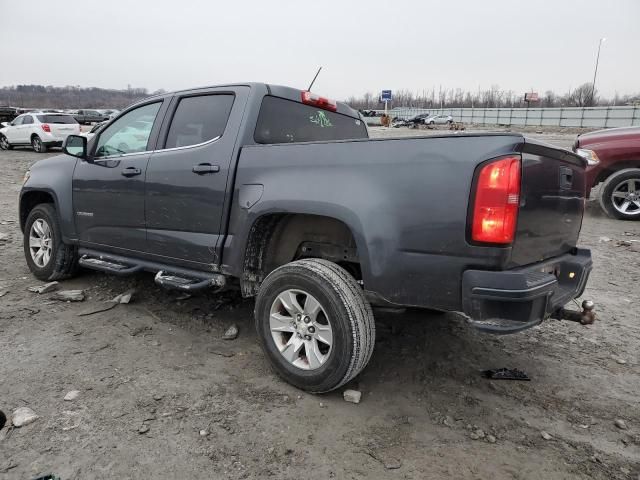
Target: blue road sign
[(386, 96)]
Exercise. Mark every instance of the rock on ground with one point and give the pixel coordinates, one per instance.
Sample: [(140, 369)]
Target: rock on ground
[(23, 416)]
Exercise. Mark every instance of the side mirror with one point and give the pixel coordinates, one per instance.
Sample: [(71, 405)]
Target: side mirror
[(76, 146), (4, 124)]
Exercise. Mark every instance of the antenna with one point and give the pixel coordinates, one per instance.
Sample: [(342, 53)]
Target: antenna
[(314, 79)]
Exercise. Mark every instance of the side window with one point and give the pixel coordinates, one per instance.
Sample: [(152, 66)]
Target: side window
[(17, 121), (130, 133), (27, 120), (199, 119)]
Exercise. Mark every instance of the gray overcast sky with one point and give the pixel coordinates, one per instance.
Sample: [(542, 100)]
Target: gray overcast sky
[(364, 45)]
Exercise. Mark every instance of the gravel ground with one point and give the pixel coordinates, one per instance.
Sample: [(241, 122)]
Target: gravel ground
[(161, 395)]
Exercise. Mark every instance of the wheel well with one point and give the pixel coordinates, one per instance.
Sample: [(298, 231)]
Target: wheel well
[(29, 200), (615, 168), (277, 239)]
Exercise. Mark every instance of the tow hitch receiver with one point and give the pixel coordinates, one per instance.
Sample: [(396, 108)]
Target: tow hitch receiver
[(586, 317)]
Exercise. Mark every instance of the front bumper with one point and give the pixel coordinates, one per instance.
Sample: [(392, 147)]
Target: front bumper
[(513, 300)]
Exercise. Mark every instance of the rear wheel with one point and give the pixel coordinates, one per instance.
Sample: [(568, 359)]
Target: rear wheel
[(37, 144), (4, 143), (314, 324), (620, 194), (47, 256)]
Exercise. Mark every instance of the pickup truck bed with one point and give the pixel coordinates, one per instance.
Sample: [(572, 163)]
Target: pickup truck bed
[(282, 193)]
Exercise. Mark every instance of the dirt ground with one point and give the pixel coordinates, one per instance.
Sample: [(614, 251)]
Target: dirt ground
[(163, 396)]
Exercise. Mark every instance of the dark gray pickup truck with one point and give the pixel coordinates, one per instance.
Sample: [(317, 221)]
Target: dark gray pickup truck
[(280, 193)]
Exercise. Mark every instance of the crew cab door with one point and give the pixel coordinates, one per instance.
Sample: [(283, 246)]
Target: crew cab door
[(108, 188), (188, 173)]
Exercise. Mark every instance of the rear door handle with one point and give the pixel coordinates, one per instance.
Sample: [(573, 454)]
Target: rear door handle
[(203, 168), (131, 172)]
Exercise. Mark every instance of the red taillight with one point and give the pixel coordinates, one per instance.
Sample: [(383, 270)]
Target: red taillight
[(46, 127), (318, 101), (495, 210)]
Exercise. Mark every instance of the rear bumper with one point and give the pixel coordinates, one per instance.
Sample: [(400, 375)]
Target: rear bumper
[(513, 300)]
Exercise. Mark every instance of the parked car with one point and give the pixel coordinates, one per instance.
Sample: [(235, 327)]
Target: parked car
[(281, 193), (613, 159), (38, 129), (87, 117), (7, 114), (438, 120), (91, 133)]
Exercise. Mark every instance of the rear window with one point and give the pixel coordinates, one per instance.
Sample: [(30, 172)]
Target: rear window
[(56, 119), (286, 121)]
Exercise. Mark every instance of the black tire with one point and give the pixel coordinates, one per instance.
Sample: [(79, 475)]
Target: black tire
[(348, 312), (37, 144), (4, 143), (64, 259), (615, 183)]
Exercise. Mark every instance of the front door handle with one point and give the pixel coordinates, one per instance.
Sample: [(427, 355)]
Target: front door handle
[(131, 172), (203, 168)]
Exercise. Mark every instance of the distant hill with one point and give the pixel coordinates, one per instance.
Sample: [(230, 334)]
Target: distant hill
[(41, 96)]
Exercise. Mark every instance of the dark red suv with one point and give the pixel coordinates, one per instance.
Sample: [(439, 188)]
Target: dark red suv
[(613, 157)]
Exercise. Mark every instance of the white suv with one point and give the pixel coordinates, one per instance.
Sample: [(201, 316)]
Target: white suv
[(41, 130)]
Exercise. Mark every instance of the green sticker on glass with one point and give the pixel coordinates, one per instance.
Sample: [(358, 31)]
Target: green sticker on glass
[(320, 119)]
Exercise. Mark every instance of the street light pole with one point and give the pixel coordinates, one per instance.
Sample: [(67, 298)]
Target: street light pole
[(595, 72)]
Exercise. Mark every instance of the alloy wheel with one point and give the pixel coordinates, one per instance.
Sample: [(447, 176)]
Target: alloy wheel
[(40, 242), (626, 197), (301, 329)]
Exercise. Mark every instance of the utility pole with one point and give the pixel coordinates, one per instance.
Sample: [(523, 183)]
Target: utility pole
[(595, 72)]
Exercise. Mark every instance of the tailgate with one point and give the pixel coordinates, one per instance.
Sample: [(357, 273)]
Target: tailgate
[(551, 205), (60, 125)]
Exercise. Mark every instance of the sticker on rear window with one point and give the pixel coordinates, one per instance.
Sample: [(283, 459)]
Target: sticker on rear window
[(321, 120)]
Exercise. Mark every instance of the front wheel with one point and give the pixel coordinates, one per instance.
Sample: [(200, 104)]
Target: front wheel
[(37, 145), (4, 143), (620, 194), (47, 256), (315, 325)]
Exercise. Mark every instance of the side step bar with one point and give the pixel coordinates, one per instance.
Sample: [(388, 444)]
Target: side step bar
[(179, 278)]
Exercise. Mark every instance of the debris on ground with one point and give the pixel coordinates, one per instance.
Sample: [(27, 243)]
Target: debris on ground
[(491, 439), (231, 333), (124, 297), (604, 239), (183, 296), (506, 374), (621, 424), (69, 295), (46, 288), (352, 396), (102, 307), (203, 433), (140, 329), (23, 416), (72, 395), (390, 463), (144, 428), (545, 435), (8, 465), (3, 293), (220, 352), (4, 237)]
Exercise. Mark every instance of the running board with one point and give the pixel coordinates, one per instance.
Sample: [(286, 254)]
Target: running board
[(178, 278), (169, 280), (108, 266)]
